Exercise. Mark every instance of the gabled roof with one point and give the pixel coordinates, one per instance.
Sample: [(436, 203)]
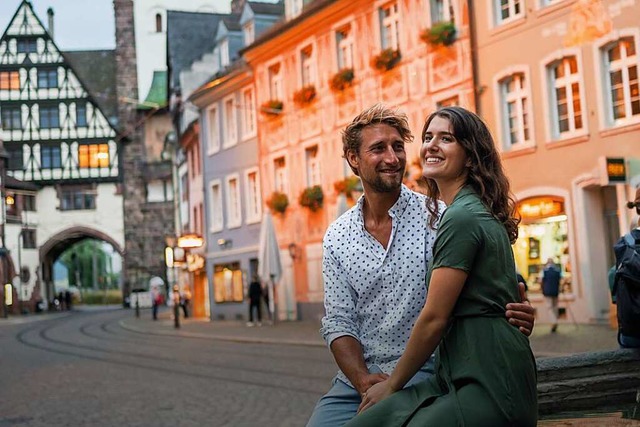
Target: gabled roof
[(97, 70), (260, 8), (232, 23), (189, 36), (157, 96)]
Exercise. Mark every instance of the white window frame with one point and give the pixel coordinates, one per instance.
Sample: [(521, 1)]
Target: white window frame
[(249, 124), (216, 211), (447, 8), (224, 52), (249, 31), (230, 122), (551, 103), (276, 89), (280, 176), (623, 66), (344, 46), (253, 196), (234, 203), (501, 102), (213, 129), (546, 3), (307, 65), (313, 169), (513, 15), (392, 22)]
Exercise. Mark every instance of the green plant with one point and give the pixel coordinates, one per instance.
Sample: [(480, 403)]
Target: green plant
[(441, 34), (312, 198), (347, 186), (341, 80), (278, 202), (386, 60), (272, 107), (305, 95)]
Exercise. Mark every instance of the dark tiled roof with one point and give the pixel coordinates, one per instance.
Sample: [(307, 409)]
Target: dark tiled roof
[(189, 36), (15, 184), (260, 8), (233, 23), (96, 69)]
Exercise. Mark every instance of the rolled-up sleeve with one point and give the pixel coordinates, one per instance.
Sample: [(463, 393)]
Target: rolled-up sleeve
[(339, 299)]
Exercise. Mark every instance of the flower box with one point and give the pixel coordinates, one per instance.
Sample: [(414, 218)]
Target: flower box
[(272, 107), (386, 60), (341, 80), (312, 198), (305, 96), (278, 202), (441, 34), (347, 186)]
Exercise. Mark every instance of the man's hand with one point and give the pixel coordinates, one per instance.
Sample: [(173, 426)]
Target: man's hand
[(365, 382), (521, 314), (375, 394)]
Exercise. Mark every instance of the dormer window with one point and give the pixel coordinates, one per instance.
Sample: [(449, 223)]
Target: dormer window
[(293, 8), (224, 53), (249, 30)]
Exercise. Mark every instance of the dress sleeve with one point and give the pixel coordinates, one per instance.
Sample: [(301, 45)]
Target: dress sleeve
[(458, 240)]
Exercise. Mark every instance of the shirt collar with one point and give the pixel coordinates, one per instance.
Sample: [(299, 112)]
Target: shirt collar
[(396, 210)]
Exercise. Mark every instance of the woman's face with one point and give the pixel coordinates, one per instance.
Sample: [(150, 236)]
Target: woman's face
[(443, 158)]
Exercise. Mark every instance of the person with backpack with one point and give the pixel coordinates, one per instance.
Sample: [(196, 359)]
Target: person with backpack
[(626, 285), (550, 280)]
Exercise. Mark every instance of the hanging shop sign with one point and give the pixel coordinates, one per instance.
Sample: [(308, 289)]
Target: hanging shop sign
[(615, 170), (195, 262), (540, 207)]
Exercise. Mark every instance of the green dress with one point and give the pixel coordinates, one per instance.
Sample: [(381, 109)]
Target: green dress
[(485, 371)]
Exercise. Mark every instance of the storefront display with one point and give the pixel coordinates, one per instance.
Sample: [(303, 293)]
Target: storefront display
[(542, 235), (228, 283)]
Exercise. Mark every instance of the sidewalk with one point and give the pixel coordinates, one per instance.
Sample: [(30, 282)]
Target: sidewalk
[(568, 339)]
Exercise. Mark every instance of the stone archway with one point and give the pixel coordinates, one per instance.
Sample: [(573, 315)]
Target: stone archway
[(51, 250)]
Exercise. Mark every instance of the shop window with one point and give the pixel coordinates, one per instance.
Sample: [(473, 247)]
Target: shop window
[(543, 234), (228, 283)]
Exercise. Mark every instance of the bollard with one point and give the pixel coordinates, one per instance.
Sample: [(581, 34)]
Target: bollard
[(137, 308), (176, 315)]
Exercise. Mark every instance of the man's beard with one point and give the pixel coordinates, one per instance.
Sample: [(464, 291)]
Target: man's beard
[(381, 185)]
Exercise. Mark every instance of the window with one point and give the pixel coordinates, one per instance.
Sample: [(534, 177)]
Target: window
[(234, 215), (49, 117), (93, 156), (252, 196), (549, 2), (275, 82), (50, 157), (224, 52), (77, 198), (306, 66), (623, 96), (249, 30), (228, 283), (565, 96), (293, 8), (448, 102), (158, 23), (281, 183), (441, 11), (508, 10), (81, 114), (213, 144), (9, 80), (16, 158), (11, 118), (27, 45), (47, 79), (230, 126), (313, 166), (344, 43), (29, 202), (248, 114), (515, 114), (184, 188), (159, 191), (217, 220), (390, 26), (28, 238)]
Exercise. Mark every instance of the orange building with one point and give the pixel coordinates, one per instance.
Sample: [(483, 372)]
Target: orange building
[(558, 85), (315, 72)]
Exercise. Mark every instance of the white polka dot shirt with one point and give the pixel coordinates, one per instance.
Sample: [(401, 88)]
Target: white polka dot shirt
[(375, 294)]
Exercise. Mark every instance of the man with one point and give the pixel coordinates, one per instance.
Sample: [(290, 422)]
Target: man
[(550, 280), (374, 266)]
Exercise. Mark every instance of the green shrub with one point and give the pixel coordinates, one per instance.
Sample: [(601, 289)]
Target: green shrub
[(312, 198)]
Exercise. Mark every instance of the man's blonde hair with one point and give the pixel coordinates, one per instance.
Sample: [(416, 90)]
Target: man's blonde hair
[(376, 114)]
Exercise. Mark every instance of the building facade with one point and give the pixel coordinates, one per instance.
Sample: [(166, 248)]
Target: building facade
[(565, 112)]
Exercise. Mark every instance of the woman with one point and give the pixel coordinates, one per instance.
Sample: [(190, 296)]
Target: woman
[(485, 371)]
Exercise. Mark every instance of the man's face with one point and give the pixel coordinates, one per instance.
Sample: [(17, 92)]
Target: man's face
[(381, 160)]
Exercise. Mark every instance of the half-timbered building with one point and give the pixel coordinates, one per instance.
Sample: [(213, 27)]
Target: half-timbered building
[(58, 138)]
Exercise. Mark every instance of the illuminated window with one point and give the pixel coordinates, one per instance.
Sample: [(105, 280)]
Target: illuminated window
[(93, 156), (566, 106), (623, 91), (227, 283), (9, 80)]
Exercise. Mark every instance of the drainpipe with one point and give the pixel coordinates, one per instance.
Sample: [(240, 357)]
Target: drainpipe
[(473, 40)]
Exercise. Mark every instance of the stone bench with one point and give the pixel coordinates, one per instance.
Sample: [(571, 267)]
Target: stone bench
[(587, 381)]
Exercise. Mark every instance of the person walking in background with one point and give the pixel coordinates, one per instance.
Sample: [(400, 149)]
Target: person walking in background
[(255, 297), (156, 300), (626, 284), (550, 280), (485, 369), (374, 263), (265, 297), (185, 300)]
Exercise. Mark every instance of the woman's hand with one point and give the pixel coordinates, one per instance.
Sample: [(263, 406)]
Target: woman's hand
[(375, 394)]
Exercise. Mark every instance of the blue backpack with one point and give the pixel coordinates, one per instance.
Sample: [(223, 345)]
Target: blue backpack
[(626, 288)]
